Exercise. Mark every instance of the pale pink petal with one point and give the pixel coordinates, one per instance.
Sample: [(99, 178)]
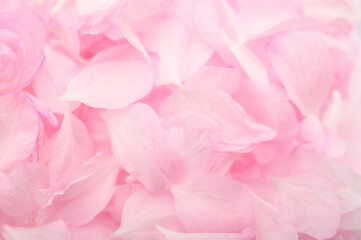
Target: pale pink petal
[(133, 38), (302, 61), (71, 147), (138, 143), (81, 199), (240, 132), (110, 85), (246, 234), (345, 182), (351, 220), (98, 131), (269, 224), (53, 80), (263, 102), (20, 190), (224, 79), (50, 231), (212, 203), (310, 204), (191, 138), (43, 110), (18, 127), (100, 229), (85, 7), (180, 50), (121, 195), (249, 62), (142, 212)]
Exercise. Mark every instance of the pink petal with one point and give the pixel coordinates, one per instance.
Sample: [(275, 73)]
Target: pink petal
[(248, 60), (344, 181), (212, 204), (54, 231), (310, 204), (100, 229), (239, 134), (246, 234), (191, 140), (224, 79), (133, 38), (84, 7), (180, 50), (110, 85), (81, 199), (142, 211), (138, 142), (71, 147), (18, 126), (269, 224), (20, 190), (302, 61), (53, 80)]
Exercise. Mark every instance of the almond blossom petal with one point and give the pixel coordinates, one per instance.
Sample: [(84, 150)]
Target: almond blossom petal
[(212, 204), (55, 231), (138, 143), (110, 85)]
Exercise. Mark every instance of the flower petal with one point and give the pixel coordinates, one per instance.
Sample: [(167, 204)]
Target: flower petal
[(212, 203), (54, 231), (85, 196), (110, 85), (138, 143)]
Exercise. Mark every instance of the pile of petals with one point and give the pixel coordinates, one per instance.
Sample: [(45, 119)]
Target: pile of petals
[(180, 120)]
